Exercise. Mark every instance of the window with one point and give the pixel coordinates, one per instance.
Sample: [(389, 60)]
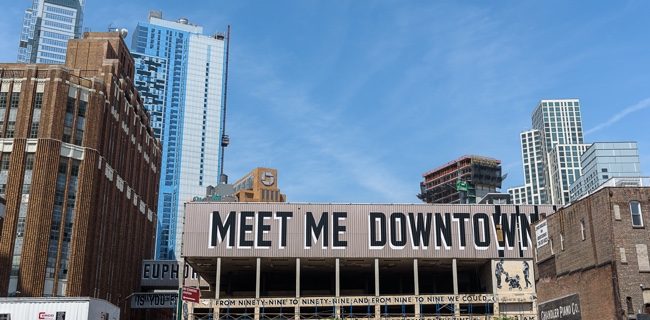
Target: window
[(4, 161), (38, 101), (5, 316), (582, 230), (29, 161), (3, 100), (11, 128), (604, 169), (15, 97), (561, 242), (33, 131), (635, 210)]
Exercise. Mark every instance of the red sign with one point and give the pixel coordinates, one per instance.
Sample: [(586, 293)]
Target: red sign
[(191, 294)]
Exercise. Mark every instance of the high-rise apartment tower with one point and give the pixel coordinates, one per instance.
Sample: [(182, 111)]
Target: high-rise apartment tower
[(551, 153), (180, 72), (47, 27)]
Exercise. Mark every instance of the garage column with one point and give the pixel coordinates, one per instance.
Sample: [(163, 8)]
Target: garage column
[(377, 306), (337, 291), (217, 282), (258, 273), (416, 286), (217, 288), (296, 309), (454, 270)]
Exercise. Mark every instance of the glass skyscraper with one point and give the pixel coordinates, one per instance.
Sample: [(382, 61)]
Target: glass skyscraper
[(47, 26), (180, 74), (551, 153)]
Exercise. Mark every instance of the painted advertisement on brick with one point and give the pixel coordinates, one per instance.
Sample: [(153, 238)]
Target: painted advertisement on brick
[(565, 308)]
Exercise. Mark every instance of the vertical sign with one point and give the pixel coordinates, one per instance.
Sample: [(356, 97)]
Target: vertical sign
[(541, 234)]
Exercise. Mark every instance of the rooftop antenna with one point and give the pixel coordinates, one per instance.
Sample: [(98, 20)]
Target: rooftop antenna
[(225, 139)]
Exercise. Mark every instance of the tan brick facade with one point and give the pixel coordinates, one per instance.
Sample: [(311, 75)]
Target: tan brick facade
[(606, 266), (82, 185)]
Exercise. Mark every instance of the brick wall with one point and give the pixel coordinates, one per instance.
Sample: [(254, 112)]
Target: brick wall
[(603, 267)]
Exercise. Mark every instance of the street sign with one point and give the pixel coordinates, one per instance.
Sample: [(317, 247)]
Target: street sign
[(461, 185), (155, 300), (191, 294)]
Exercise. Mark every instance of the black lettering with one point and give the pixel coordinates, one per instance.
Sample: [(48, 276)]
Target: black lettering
[(509, 228), (261, 227), (338, 229), (284, 216), (461, 216), (219, 229), (311, 228), (394, 218), (486, 230), (421, 229), (374, 216), (243, 228), (165, 269), (443, 229), (174, 274)]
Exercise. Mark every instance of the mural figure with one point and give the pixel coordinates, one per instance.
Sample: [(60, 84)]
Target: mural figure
[(513, 282), (526, 274), (498, 271)]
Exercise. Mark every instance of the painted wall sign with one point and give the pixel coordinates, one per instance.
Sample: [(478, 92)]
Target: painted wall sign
[(166, 300), (565, 308), (541, 234), (357, 301), (356, 230), (514, 276)]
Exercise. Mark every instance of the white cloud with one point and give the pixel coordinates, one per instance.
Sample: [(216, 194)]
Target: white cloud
[(643, 104)]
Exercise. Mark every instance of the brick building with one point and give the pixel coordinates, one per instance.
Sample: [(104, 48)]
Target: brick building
[(79, 167), (597, 250), (259, 185)]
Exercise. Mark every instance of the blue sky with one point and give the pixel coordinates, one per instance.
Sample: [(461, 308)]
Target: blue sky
[(353, 100)]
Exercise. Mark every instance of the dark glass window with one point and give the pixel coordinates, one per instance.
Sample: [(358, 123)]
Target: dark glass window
[(637, 217)]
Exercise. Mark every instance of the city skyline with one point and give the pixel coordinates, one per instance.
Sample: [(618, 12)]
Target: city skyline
[(346, 101)]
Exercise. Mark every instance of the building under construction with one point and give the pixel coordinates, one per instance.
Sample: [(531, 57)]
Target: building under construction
[(467, 179)]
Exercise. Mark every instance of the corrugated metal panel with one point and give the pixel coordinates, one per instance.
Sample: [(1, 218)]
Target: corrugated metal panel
[(196, 240)]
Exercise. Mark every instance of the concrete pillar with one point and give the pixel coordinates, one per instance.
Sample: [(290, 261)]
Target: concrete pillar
[(258, 275), (337, 290), (377, 306), (377, 277), (454, 269), (217, 288), (416, 286), (296, 310)]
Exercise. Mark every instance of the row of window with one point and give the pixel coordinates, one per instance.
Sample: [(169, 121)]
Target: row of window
[(58, 17), (59, 10), (55, 35), (59, 25)]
